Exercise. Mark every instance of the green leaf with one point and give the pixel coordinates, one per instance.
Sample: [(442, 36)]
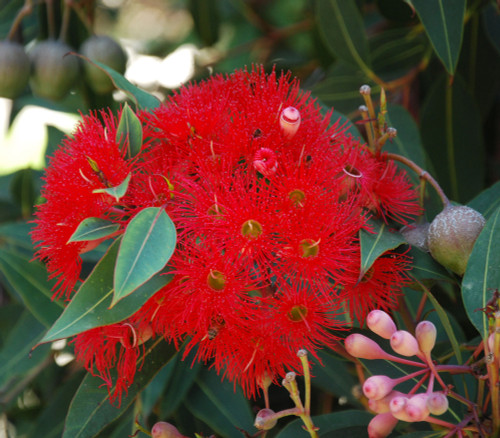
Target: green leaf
[(91, 411), (129, 132), (147, 245), (219, 404), (23, 190), (373, 245), (29, 280), (350, 423), (482, 276), (451, 133), (118, 191), (140, 98), (93, 228), (342, 29), (424, 267), (491, 18), (487, 201), (89, 308), (443, 21), (16, 235), (206, 20)]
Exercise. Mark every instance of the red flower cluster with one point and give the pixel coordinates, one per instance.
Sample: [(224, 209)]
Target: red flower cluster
[(268, 201)]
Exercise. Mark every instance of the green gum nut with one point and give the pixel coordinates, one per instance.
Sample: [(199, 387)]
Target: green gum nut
[(14, 69)]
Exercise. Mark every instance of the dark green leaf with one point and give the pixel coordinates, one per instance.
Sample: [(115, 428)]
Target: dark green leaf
[(129, 132), (89, 308), (343, 122), (451, 133), (491, 18), (141, 99), (118, 191), (91, 411), (345, 423), (220, 405), (482, 276), (341, 27), (29, 280), (487, 201), (23, 190), (443, 21), (373, 245), (16, 235), (147, 245), (424, 267), (206, 20), (93, 228)]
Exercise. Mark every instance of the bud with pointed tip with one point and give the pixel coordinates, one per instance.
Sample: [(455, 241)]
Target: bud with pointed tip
[(404, 343), (165, 430), (437, 403), (265, 419), (290, 121), (381, 323), (425, 333), (381, 425), (377, 387), (452, 235), (360, 346)]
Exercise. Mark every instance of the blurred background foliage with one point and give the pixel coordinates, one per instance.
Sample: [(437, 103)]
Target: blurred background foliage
[(440, 68)]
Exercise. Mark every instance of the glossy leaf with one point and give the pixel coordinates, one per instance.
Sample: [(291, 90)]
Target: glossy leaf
[(220, 405), (91, 411), (118, 191), (341, 27), (373, 245), (147, 245), (141, 99), (350, 423), (93, 228), (29, 280), (451, 134), (89, 308), (482, 276), (443, 21), (487, 201), (129, 132)]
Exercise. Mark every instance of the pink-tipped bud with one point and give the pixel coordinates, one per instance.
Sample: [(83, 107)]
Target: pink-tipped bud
[(165, 430), (358, 345), (397, 406), (416, 407), (426, 336), (404, 343), (265, 419), (381, 425), (381, 323), (377, 387), (289, 121), (265, 161), (437, 403), (382, 406)]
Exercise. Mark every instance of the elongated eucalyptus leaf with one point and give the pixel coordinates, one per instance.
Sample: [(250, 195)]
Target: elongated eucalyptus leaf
[(443, 21), (373, 245), (118, 191), (147, 245), (141, 99), (91, 411), (424, 267), (351, 423), (93, 228), (341, 27), (29, 280), (129, 132), (89, 308), (482, 276), (487, 201)]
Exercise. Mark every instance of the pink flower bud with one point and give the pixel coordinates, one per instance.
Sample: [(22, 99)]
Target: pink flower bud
[(381, 425), (404, 343), (416, 407), (382, 406), (290, 121), (165, 430), (426, 336), (381, 323), (437, 403), (265, 419), (377, 387), (397, 406), (491, 342), (358, 345)]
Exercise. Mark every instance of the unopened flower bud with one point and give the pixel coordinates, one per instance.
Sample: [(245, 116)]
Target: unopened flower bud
[(452, 235), (381, 323), (437, 403), (404, 343), (165, 430), (382, 406), (426, 336), (360, 346), (398, 408), (416, 407), (289, 121), (381, 425), (264, 419), (377, 387)]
